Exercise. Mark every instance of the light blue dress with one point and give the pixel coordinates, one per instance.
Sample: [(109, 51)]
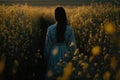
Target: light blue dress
[(56, 51)]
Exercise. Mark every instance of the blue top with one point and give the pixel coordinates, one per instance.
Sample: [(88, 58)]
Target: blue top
[(56, 51)]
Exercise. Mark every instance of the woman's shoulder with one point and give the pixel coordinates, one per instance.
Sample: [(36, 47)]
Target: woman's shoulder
[(51, 27)]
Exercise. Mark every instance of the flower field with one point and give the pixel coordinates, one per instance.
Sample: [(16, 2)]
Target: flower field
[(97, 32)]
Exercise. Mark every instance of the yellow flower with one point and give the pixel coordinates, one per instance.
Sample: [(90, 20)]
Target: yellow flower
[(74, 58), (84, 65), (96, 50), (106, 56), (80, 56), (90, 35), (59, 64), (67, 71), (95, 64), (86, 57), (72, 44), (109, 28), (80, 62), (106, 75), (50, 74), (113, 63), (66, 55), (76, 51), (79, 73), (96, 75), (73, 69), (55, 51)]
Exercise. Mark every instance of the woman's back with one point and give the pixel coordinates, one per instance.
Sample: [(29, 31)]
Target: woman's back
[(52, 32), (55, 51), (58, 39)]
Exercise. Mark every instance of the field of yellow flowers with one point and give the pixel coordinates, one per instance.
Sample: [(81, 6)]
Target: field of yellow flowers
[(97, 32)]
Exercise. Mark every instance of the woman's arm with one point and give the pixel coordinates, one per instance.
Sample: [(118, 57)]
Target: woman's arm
[(48, 44), (71, 40)]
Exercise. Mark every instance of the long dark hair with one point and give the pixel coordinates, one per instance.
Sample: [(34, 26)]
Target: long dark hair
[(60, 16)]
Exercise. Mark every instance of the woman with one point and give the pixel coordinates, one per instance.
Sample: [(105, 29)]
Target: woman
[(58, 39)]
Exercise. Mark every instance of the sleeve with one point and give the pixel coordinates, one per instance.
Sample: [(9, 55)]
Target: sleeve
[(48, 44), (71, 41)]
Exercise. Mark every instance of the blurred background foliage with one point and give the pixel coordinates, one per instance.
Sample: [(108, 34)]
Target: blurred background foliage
[(97, 32)]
